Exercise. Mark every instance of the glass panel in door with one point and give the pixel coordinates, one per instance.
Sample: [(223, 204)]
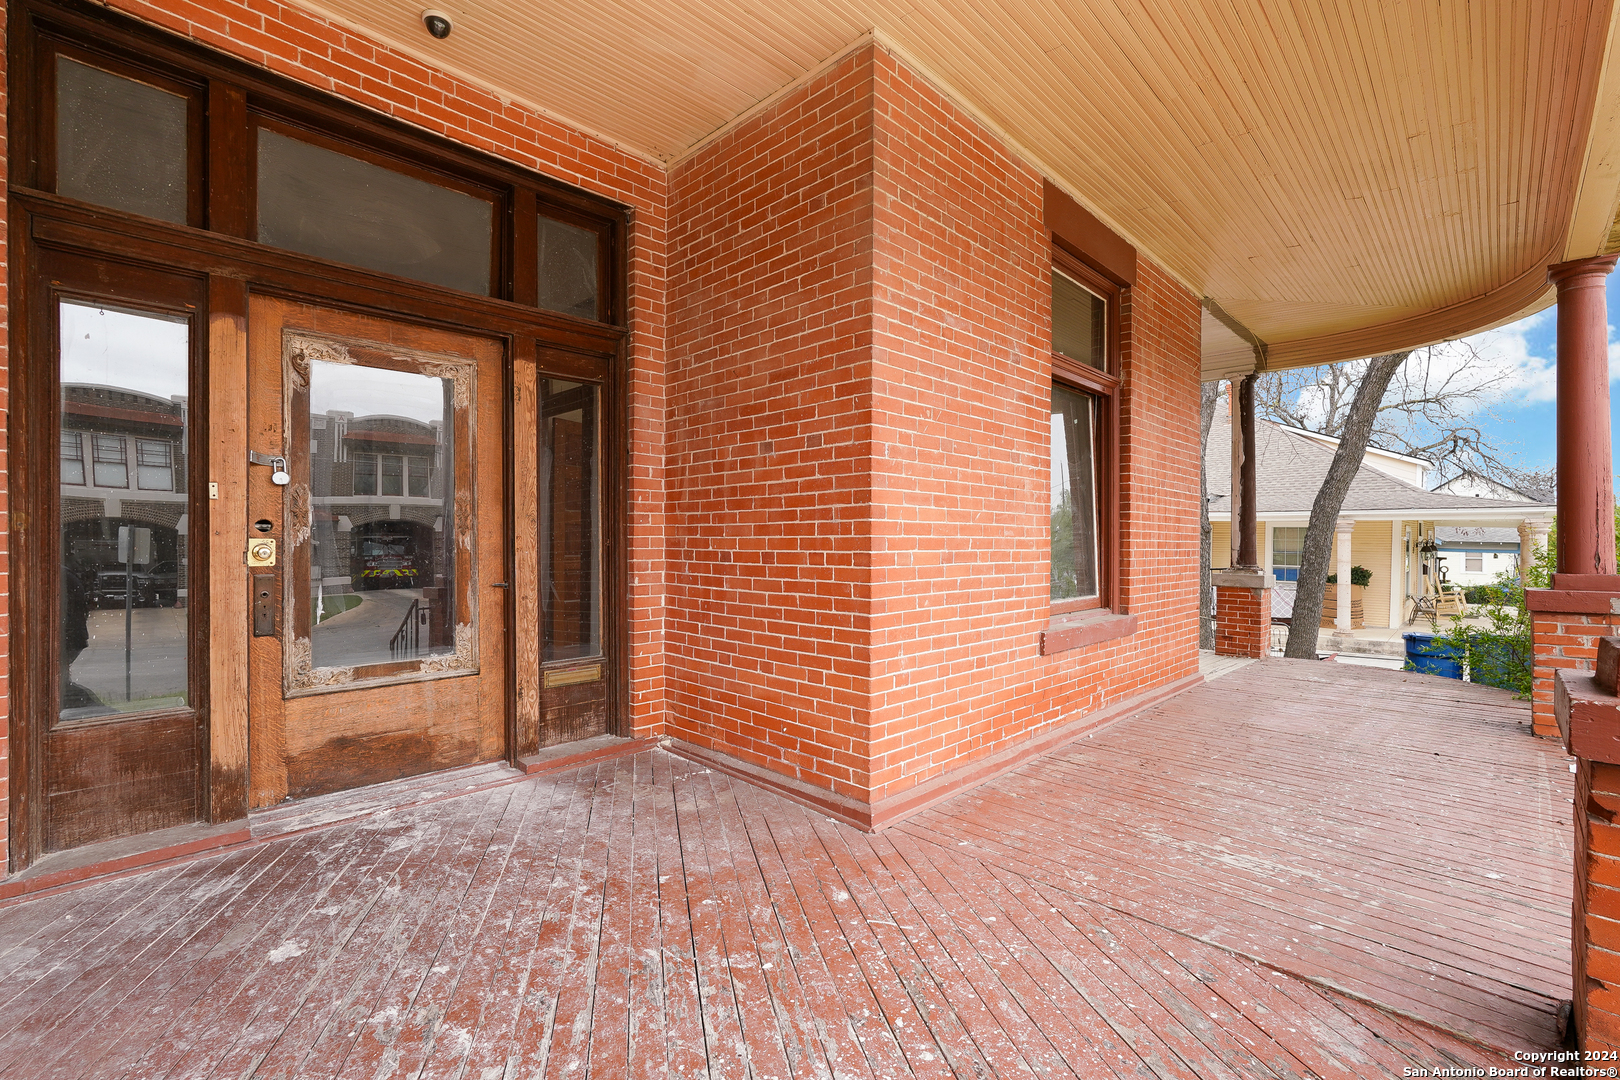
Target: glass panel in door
[(570, 500), (124, 387), (381, 581)]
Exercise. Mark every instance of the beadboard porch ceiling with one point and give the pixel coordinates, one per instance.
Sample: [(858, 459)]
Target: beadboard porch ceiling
[(1341, 179)]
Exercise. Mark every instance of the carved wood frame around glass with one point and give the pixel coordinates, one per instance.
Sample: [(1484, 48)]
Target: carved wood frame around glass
[(216, 249), (1102, 384), (303, 355)]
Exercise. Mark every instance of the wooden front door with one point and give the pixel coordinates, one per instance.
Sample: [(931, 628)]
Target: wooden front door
[(375, 544)]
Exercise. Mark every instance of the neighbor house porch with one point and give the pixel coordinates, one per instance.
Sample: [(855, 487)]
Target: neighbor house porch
[(1259, 877)]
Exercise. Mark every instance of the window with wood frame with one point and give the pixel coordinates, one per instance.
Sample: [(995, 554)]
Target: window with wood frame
[(192, 144), (1084, 463)]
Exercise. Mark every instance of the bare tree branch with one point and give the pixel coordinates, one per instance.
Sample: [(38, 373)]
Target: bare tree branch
[(1355, 431), (1430, 410)]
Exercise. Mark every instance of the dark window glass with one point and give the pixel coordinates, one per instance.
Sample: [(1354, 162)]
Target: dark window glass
[(1287, 548), (1079, 322), (337, 207), (124, 553), (365, 474), (72, 457), (393, 481), (570, 544), (111, 461), (119, 142), (1074, 499), (568, 268)]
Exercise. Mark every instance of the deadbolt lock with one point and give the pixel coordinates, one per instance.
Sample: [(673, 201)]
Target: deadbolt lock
[(261, 551)]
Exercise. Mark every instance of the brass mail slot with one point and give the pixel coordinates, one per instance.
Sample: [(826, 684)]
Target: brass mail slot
[(573, 676)]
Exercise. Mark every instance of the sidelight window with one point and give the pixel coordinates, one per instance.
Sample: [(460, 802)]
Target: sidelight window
[(123, 635)]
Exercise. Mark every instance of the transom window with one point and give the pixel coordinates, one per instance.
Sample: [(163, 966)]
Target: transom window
[(124, 135)]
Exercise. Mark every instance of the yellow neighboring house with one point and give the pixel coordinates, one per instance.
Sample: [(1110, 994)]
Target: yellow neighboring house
[(1387, 514)]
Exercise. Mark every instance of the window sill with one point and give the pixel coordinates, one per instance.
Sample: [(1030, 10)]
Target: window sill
[(1082, 628)]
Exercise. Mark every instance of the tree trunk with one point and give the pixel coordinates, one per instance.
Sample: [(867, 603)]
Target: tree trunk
[(1206, 592), (1313, 562)]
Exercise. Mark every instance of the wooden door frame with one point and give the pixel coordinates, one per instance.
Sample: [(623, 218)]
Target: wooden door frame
[(35, 552), (217, 247), (234, 270)]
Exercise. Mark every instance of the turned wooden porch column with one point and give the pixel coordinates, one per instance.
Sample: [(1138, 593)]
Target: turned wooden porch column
[(1242, 595), (1245, 512), (1585, 465)]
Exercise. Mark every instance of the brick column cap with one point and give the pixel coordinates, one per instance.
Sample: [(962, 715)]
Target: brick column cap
[(1574, 601), (1240, 578)]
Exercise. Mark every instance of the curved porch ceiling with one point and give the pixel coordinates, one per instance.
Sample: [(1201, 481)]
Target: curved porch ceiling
[(1341, 178)]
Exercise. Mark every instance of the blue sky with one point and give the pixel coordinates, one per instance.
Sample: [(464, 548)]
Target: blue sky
[(1522, 419)]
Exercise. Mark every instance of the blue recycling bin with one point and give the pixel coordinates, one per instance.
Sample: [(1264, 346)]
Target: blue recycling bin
[(1431, 659)]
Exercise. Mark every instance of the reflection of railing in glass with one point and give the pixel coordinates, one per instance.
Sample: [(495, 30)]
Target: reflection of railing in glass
[(124, 630), (406, 643)]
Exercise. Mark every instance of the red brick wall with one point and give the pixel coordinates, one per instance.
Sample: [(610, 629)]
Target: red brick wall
[(769, 435), (325, 55), (1567, 641), (839, 506), (1242, 621), (859, 446), (962, 424), (1595, 930)]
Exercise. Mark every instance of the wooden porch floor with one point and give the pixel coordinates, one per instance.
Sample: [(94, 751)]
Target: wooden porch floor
[(1216, 887)]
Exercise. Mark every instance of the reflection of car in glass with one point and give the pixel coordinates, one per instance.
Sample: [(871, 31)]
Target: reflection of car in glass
[(157, 585), (386, 561)]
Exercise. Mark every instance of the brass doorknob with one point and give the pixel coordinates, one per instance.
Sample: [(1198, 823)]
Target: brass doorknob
[(261, 551)]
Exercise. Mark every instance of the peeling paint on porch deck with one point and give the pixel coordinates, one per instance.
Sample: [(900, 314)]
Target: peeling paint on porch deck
[(1176, 896)]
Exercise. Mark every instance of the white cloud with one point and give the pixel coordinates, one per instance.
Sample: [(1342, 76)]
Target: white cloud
[(1523, 353)]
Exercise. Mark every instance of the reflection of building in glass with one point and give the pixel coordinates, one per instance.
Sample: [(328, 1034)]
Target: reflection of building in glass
[(378, 498), (123, 464)]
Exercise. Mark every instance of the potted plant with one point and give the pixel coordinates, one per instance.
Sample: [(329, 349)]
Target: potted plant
[(1360, 578)]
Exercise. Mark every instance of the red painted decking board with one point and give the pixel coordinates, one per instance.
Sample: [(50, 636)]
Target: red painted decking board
[(851, 1023), (536, 875), (752, 930), (618, 920), (1158, 816), (176, 977), (90, 972), (529, 1040), (1037, 1004), (271, 1008), (1172, 898)]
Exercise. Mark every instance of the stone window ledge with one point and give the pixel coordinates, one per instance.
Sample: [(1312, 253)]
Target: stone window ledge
[(1084, 628)]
